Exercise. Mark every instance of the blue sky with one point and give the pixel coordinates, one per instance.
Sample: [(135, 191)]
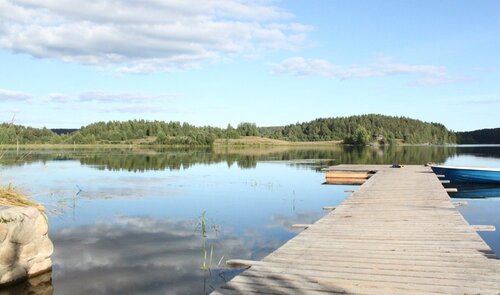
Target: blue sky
[(269, 62)]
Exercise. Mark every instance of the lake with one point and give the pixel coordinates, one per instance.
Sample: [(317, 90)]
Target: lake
[(164, 221)]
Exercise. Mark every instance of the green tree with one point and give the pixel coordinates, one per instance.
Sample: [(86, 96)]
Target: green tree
[(161, 138), (361, 136), (247, 129)]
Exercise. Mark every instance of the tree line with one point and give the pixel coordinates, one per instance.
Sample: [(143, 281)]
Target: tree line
[(114, 132), (482, 136), (363, 129), (357, 130)]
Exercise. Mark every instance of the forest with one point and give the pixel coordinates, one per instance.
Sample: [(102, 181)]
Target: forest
[(364, 129), (482, 136), (356, 130)]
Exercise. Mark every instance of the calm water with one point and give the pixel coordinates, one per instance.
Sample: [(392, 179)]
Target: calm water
[(164, 222)]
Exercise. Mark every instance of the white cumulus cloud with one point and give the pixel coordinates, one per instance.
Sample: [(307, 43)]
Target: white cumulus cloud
[(146, 36)]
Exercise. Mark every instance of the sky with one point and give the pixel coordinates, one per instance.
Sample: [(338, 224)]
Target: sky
[(65, 64)]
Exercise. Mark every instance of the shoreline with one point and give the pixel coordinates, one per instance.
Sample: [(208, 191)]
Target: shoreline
[(220, 143)]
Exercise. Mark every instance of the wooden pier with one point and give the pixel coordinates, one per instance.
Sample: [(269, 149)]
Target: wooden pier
[(399, 233)]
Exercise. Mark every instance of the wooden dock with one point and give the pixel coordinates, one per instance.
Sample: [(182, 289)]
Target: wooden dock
[(399, 233)]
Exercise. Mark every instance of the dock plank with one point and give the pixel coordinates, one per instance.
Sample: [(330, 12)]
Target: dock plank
[(399, 233)]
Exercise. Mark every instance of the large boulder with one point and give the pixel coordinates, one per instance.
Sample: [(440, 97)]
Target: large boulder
[(25, 247)]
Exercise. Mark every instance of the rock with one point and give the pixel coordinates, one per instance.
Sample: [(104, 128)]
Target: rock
[(40, 267), (40, 248), (28, 251), (41, 225), (25, 247), (45, 247), (24, 232), (31, 212), (7, 216), (41, 279), (3, 232), (8, 253), (11, 274)]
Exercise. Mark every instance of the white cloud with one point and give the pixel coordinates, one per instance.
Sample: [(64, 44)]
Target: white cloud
[(425, 74), (484, 101), (10, 95), (137, 108), (111, 97), (12, 111), (146, 36), (116, 102), (99, 101)]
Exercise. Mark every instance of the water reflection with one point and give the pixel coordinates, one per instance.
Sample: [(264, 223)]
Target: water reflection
[(483, 151), (475, 191), (40, 285), (175, 159), (127, 220), (145, 255)]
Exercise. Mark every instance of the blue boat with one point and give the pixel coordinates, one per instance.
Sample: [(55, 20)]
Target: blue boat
[(468, 174)]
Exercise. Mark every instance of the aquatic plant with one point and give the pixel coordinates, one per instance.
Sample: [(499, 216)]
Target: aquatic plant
[(204, 228), (208, 245)]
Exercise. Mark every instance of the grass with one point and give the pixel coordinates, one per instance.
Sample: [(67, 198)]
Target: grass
[(10, 196), (264, 141), (63, 146), (255, 141)]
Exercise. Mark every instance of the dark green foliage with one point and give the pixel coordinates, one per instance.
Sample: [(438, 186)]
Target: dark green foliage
[(63, 130), (230, 132), (247, 129), (360, 137), (359, 130), (389, 128), (171, 133), (12, 134), (482, 136), (161, 138)]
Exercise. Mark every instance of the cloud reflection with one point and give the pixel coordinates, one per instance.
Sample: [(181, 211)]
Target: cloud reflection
[(145, 255), (286, 221)]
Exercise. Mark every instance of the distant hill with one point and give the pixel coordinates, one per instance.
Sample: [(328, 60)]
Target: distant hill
[(360, 129), (482, 136), (369, 127)]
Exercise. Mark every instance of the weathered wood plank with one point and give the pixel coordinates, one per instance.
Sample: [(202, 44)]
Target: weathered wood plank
[(337, 174), (484, 227), (301, 225), (377, 287), (329, 208)]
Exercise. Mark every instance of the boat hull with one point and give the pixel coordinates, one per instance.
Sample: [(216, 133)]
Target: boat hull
[(469, 175)]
